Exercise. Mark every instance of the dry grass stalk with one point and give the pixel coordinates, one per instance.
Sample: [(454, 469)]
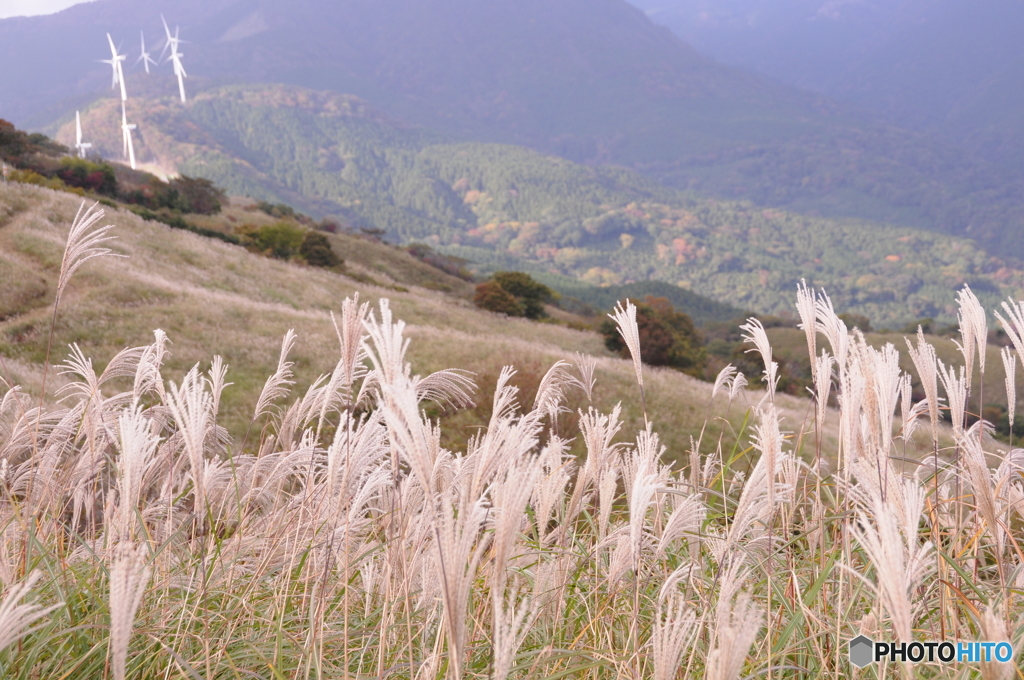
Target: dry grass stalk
[(625, 321), (1010, 381), (129, 576)]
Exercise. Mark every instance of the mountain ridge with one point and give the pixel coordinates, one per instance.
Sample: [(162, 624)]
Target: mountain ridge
[(594, 82)]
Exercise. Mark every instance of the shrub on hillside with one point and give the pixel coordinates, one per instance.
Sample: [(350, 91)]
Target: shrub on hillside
[(193, 195), (492, 297), (530, 294), (98, 177), (281, 240), (668, 337), (316, 250)]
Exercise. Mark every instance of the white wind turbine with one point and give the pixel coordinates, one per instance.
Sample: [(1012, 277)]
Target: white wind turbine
[(78, 137), (146, 58), (175, 57), (115, 64), (126, 136)]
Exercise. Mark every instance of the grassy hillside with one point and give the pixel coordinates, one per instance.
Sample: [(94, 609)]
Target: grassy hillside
[(215, 298), (503, 206)]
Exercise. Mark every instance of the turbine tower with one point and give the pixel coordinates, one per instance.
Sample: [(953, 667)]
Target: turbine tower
[(78, 137), (126, 136), (175, 57), (146, 59), (115, 64)]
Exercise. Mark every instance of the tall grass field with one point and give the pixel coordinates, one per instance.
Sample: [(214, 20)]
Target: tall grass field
[(336, 537)]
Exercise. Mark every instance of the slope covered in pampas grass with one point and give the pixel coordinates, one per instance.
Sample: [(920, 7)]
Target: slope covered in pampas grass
[(213, 298), (337, 536)]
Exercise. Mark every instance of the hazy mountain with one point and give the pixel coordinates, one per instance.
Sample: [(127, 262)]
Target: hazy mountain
[(594, 78), (952, 67), (591, 80), (507, 206)]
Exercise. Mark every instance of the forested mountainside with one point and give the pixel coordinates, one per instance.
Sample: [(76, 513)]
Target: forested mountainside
[(502, 205), (593, 81)]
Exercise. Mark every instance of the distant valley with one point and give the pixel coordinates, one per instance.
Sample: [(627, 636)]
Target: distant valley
[(506, 206)]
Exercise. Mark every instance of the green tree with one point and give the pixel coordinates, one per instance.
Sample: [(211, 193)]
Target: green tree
[(281, 240), (195, 195), (668, 337), (530, 294), (316, 250)]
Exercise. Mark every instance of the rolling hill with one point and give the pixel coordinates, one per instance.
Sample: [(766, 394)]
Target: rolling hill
[(590, 80), (506, 206)]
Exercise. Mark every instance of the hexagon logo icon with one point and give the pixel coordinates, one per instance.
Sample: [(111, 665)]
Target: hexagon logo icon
[(861, 651)]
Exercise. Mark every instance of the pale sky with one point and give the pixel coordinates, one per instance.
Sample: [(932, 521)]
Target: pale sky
[(16, 8)]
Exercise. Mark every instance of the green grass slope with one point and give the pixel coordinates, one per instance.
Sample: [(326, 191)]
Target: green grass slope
[(504, 206)]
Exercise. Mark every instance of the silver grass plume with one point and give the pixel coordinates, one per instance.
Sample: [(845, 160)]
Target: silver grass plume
[(509, 496), (808, 322), (216, 376), (129, 576), (511, 625), (191, 407), (911, 415), (900, 563), (768, 440), (351, 334), (685, 520), (83, 244), (973, 331), (723, 380), (980, 478), (16, 619), (674, 626), (822, 386), (625, 319), (549, 491), (607, 486), (551, 389), (906, 404), (1010, 379), (926, 364), (739, 381), (598, 431), (737, 625), (280, 381), (883, 378), (137, 446), (833, 328), (993, 629), (644, 485), (586, 364), (147, 371), (460, 546), (956, 385), (755, 334), (1013, 324)]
